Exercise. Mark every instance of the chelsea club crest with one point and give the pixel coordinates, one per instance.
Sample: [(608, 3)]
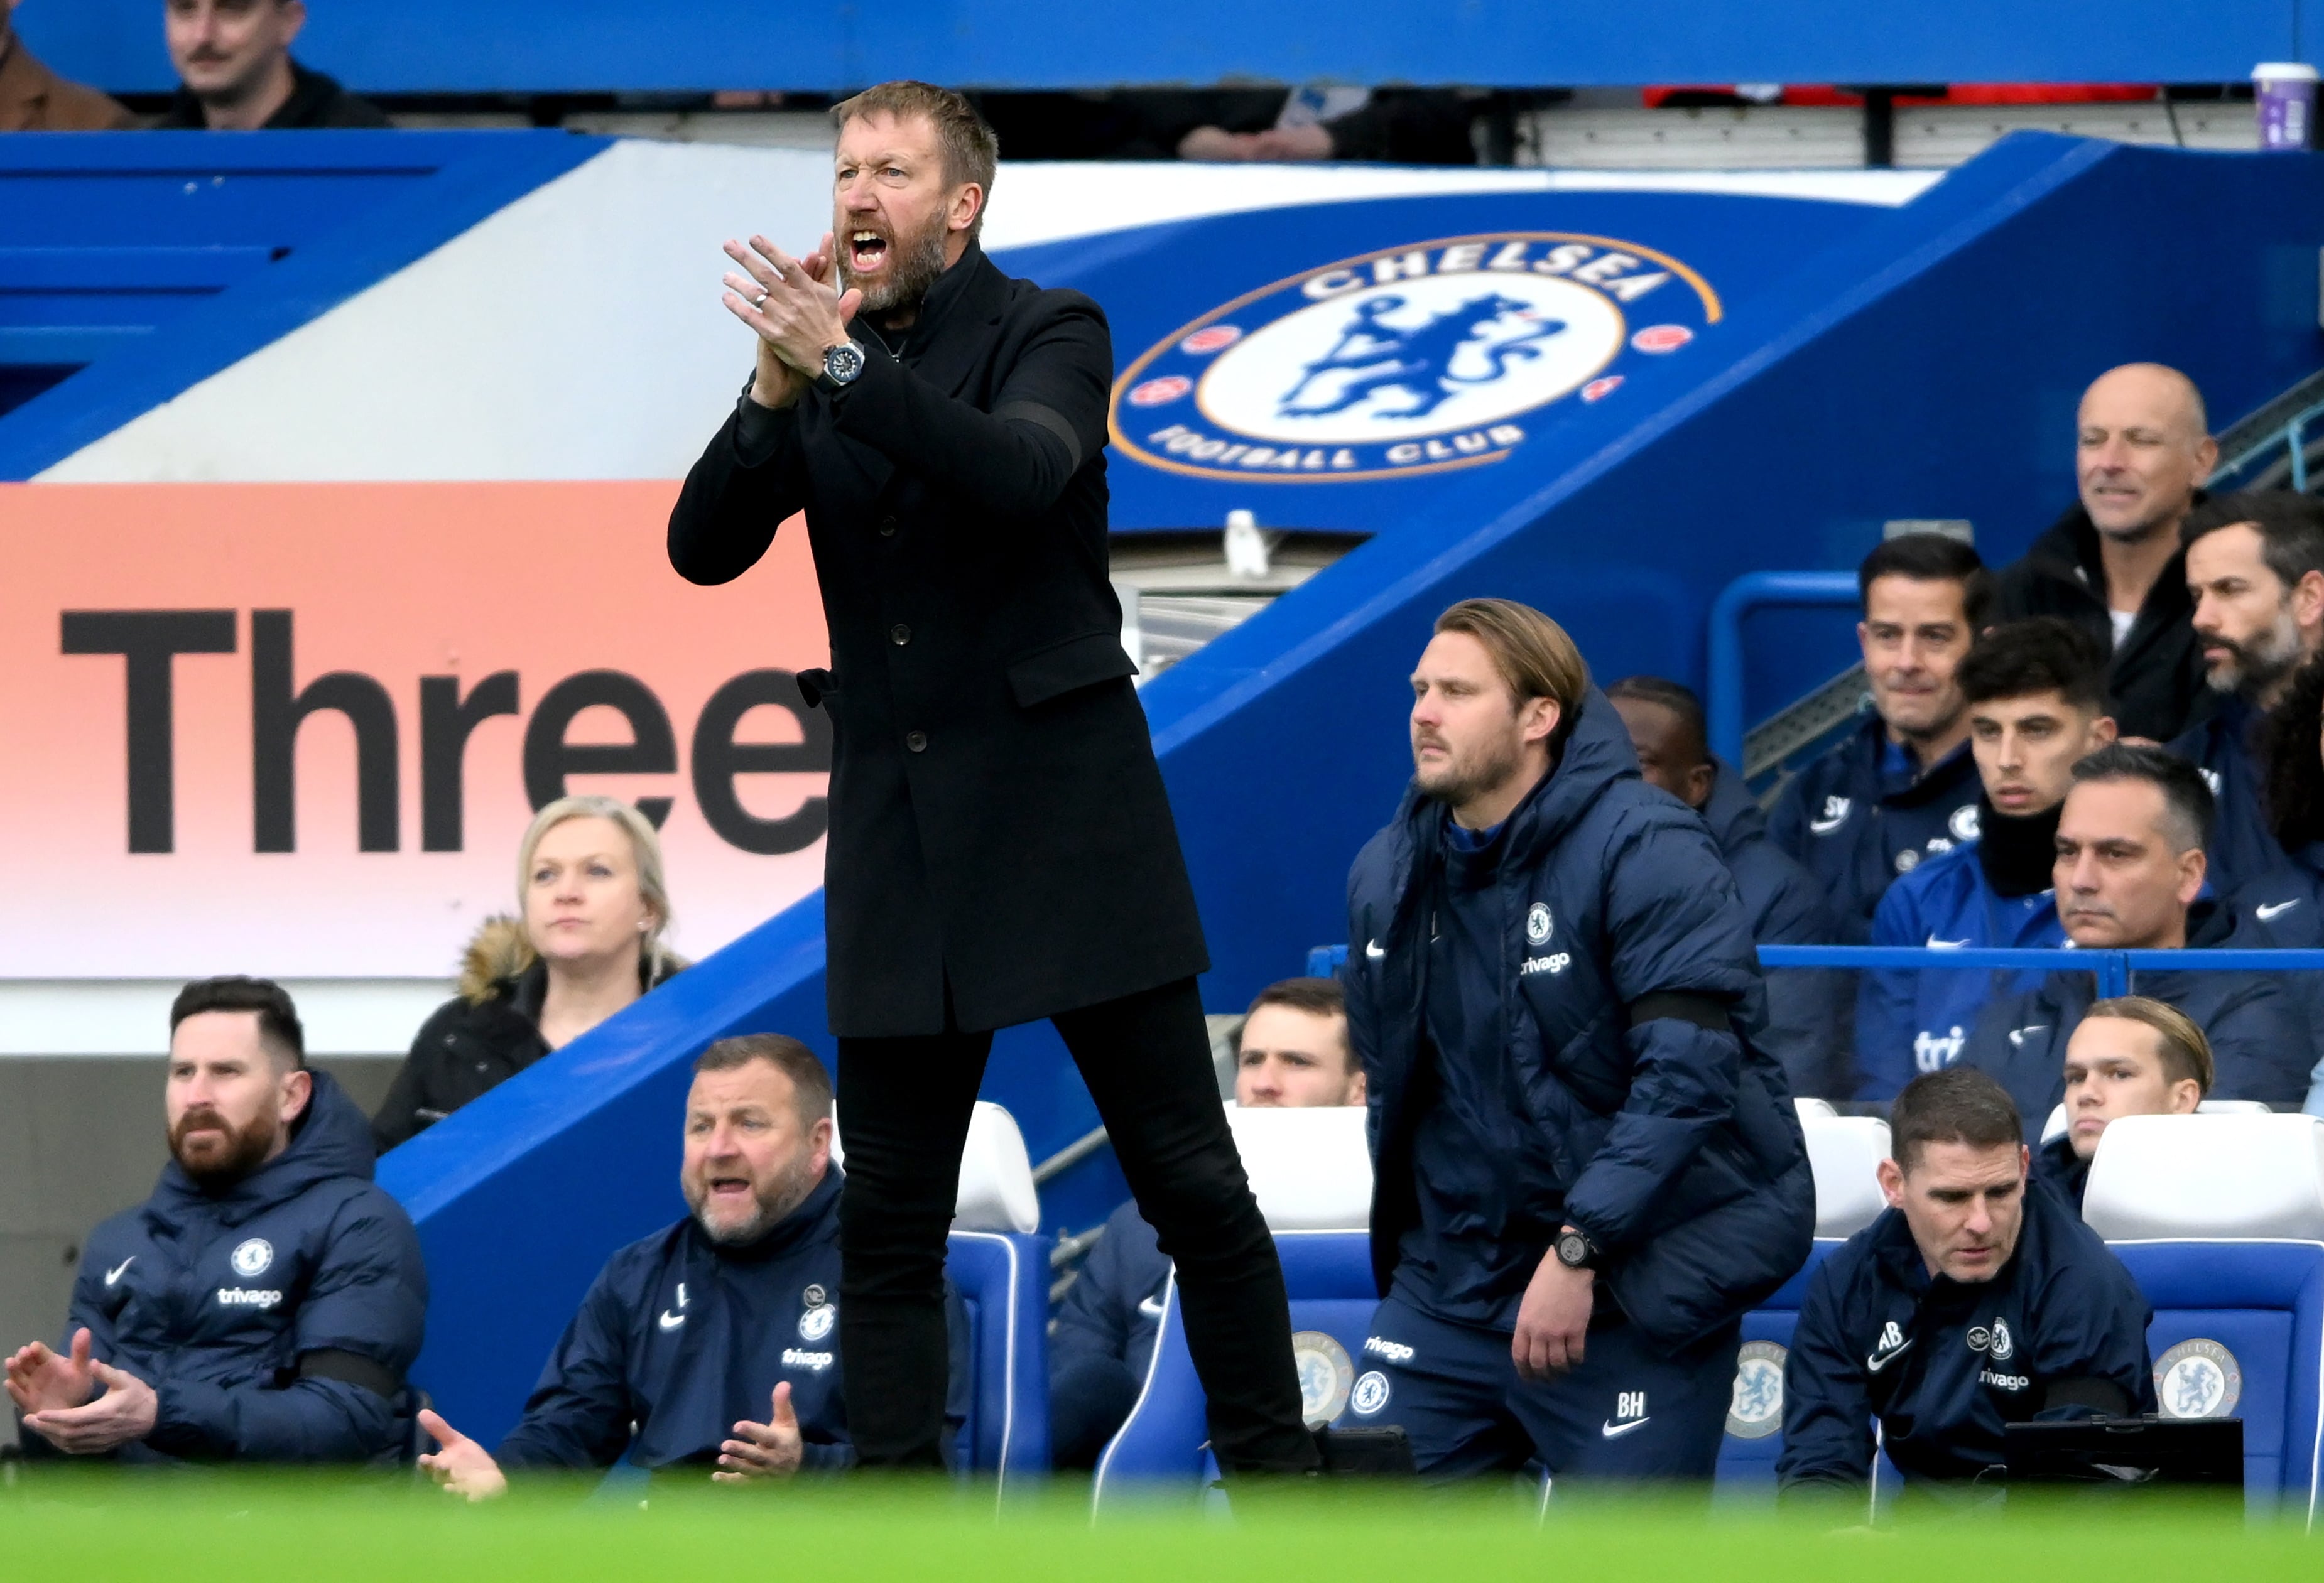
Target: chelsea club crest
[(1411, 360)]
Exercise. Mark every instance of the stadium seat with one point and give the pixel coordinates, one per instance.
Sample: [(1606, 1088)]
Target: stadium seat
[(1755, 1420), (1312, 1174), (1807, 1108), (1001, 1267), (2220, 1219), (2056, 1126), (1845, 1153)]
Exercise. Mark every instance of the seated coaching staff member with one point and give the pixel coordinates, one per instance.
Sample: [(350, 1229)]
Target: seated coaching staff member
[(1292, 1051), (2134, 1055), (1586, 1169), (689, 1335), (1002, 849), (264, 1303), (1977, 1299)]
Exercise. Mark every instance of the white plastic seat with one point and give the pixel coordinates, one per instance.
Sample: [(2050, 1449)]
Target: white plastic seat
[(2055, 1127), (996, 1192), (2220, 1175), (1311, 1168), (1807, 1108), (1845, 1152)]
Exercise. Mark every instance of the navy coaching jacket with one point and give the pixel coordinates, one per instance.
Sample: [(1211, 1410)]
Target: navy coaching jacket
[(2057, 1333), (679, 1339), (275, 1319), (1856, 828), (1673, 1145)]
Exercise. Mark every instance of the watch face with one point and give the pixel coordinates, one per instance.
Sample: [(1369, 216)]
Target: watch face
[(843, 362), (1572, 1249)]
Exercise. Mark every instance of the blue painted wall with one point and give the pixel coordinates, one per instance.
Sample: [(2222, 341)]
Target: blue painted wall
[(1925, 366), (438, 46)]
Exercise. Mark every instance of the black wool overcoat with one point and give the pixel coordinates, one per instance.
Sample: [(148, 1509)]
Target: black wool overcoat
[(999, 827)]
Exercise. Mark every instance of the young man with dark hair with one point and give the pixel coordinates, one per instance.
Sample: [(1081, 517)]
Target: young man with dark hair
[(1901, 788), (2035, 704), (2256, 573), (237, 74), (1978, 1299), (1292, 1053), (688, 1335), (1806, 1007), (1586, 1168), (2112, 565), (265, 1304), (2130, 877), (2133, 1055)]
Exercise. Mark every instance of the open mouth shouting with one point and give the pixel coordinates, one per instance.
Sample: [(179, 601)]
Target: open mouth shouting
[(867, 251)]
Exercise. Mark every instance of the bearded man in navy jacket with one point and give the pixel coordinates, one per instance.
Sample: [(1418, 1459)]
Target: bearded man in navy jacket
[(1586, 1168), (689, 1335), (263, 1304)]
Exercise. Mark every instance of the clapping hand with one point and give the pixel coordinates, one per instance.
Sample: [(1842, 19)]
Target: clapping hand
[(772, 1450), (791, 305)]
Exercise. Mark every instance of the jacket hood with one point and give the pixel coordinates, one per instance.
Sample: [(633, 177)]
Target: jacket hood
[(500, 954), (1733, 814), (331, 1141)]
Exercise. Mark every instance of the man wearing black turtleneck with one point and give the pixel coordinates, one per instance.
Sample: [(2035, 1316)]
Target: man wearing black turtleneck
[(2036, 703)]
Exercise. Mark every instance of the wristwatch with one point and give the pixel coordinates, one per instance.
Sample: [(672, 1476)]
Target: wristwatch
[(1575, 1251), (842, 365)]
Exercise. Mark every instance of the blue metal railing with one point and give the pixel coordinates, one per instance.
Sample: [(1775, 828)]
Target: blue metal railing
[(1756, 592), (2114, 967)]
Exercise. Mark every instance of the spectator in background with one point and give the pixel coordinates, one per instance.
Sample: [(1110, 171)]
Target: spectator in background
[(589, 880), (2287, 903), (235, 73), (2132, 1056), (688, 1334), (263, 1304), (2129, 871), (1410, 126), (1977, 1299), (2112, 565), (2256, 573), (1291, 1051), (2036, 704), (32, 98), (1901, 788), (1806, 1007)]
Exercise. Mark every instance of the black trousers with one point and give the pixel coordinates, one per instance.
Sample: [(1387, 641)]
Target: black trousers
[(905, 1105)]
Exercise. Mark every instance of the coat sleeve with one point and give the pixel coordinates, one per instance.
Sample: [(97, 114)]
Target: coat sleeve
[(398, 1119), (368, 1298), (2091, 1331), (580, 1410), (1093, 1320), (752, 477), (1047, 419), (1675, 926), (2261, 1046), (1828, 1446), (1884, 1006)]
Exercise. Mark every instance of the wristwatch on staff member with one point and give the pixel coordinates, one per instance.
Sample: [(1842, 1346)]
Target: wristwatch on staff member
[(842, 365), (1575, 1249)]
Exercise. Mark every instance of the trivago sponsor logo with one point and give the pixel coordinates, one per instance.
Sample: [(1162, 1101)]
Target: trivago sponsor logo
[(1410, 360)]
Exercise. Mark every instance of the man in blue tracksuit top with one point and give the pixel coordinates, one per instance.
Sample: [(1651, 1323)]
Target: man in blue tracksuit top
[(264, 1303), (1978, 1299), (1292, 1051), (1900, 788), (2255, 573), (1807, 1007), (1585, 1167), (709, 1349), (2130, 866), (2036, 704)]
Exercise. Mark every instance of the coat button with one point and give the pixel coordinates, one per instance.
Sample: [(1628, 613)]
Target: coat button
[(917, 741), (899, 634), (887, 527)]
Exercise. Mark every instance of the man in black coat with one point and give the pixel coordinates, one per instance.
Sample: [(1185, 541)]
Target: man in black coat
[(2113, 565), (1001, 848)]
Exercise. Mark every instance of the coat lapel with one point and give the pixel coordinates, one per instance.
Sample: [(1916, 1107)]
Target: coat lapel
[(969, 325)]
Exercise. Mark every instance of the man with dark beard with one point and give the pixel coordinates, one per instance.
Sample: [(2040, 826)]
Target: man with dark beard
[(1002, 849), (2256, 574), (264, 1303), (689, 1335)]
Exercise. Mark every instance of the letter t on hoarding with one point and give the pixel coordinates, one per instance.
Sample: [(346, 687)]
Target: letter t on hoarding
[(149, 641)]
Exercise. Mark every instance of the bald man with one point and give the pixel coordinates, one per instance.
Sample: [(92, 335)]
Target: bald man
[(2113, 565)]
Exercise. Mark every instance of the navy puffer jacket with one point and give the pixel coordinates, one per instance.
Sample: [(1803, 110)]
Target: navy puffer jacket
[(1673, 1145)]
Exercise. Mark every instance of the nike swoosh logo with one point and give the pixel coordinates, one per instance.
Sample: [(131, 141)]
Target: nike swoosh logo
[(671, 1322), (1614, 1431), (2017, 1036), (2272, 908), (1825, 826), (113, 1273), (1372, 951), (1875, 1365), (1937, 944), (1151, 1307)]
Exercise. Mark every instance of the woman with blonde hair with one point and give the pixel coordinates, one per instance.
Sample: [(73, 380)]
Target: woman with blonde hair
[(594, 908)]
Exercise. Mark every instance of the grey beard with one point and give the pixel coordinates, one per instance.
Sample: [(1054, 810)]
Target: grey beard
[(784, 1195), (915, 267)]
